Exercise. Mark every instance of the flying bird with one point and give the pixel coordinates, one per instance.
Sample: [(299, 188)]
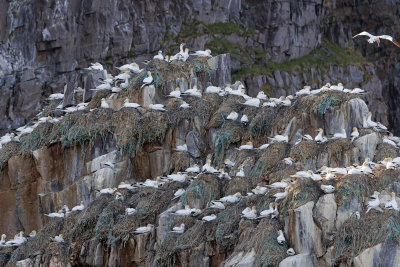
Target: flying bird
[(372, 38)]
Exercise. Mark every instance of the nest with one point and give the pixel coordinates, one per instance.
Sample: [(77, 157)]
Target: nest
[(373, 228), (6, 152), (385, 150), (204, 189), (96, 99)]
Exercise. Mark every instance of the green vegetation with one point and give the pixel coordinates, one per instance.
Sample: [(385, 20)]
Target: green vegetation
[(328, 54)]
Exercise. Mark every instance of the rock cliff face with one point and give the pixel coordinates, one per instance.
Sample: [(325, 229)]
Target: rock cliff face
[(69, 161), (44, 45)]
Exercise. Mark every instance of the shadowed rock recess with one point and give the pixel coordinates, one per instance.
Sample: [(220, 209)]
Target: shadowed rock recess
[(69, 161)]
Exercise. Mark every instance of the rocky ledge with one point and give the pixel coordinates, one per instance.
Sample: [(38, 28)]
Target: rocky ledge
[(71, 159)]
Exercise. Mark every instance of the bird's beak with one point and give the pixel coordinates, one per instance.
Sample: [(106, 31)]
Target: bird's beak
[(378, 41)]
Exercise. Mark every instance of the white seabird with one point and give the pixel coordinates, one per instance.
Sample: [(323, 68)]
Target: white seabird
[(184, 105), (209, 218), (157, 107), (176, 93), (79, 207), (290, 252), (223, 175), (148, 80), (231, 198), (392, 204), (229, 163), (340, 135), (268, 212), (281, 195), (104, 104), (281, 184), (179, 193), (240, 173), (373, 204), (182, 148), (58, 214), (279, 138), (386, 140), (232, 116), (159, 56), (58, 238), (320, 136), (193, 169), (372, 38), (200, 53), (253, 102), (261, 95), (208, 168), (244, 119), (95, 67), (305, 91), (216, 205), (129, 211), (127, 104), (354, 134), (179, 229), (144, 229), (56, 96), (250, 213), (247, 146), (259, 190), (281, 238), (328, 189)]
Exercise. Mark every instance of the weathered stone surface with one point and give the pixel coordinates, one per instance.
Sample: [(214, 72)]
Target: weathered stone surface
[(297, 261), (325, 214), (379, 255)]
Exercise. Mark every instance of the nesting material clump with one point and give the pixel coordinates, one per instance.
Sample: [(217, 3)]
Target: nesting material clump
[(385, 151), (261, 125), (6, 152), (304, 191), (96, 99), (37, 138), (336, 149), (179, 161), (303, 151), (373, 228), (204, 189)]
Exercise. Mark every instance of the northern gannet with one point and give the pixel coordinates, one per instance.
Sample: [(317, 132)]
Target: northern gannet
[(179, 229), (282, 184), (216, 205), (184, 105), (247, 146), (124, 185), (253, 102), (354, 134), (329, 175), (104, 104), (193, 169), (307, 137), (129, 211), (157, 107), (228, 89), (286, 102), (281, 195), (232, 116), (119, 196), (193, 92), (231, 198), (184, 54), (182, 148), (240, 173), (269, 104), (250, 213), (365, 168), (302, 174), (276, 211), (386, 140), (8, 137), (148, 80), (144, 229), (179, 193), (320, 136), (268, 212), (122, 76), (56, 96), (58, 214), (108, 191), (340, 135), (3, 240), (200, 53), (208, 168), (32, 234), (290, 252), (281, 238), (213, 90), (95, 67), (184, 212), (244, 119), (305, 91), (357, 91), (354, 171), (288, 161), (338, 87), (59, 238), (209, 218), (392, 205), (159, 56), (328, 189), (279, 138), (127, 104), (373, 204), (259, 190), (223, 175), (262, 147), (369, 123), (79, 207), (229, 163), (390, 164), (176, 93), (179, 177), (261, 95), (104, 86), (395, 139), (372, 38)]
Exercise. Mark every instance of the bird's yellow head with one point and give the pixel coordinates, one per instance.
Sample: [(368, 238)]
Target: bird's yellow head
[(177, 89), (355, 129)]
